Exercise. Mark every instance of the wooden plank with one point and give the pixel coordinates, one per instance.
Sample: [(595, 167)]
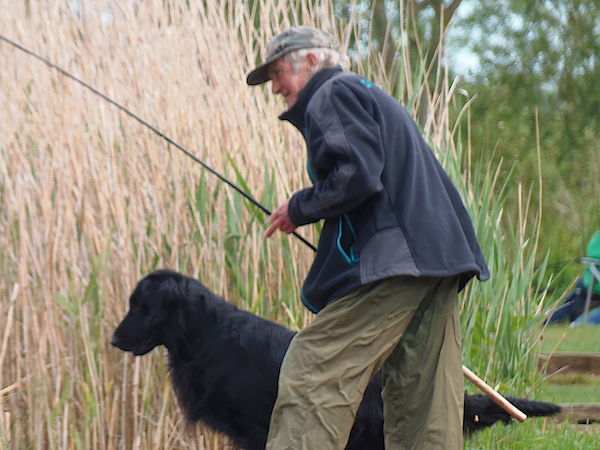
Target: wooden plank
[(566, 362), (579, 413)]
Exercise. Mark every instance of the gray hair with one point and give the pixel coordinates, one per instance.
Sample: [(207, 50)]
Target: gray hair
[(327, 58)]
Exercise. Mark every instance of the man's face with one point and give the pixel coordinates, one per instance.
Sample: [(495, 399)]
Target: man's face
[(286, 82)]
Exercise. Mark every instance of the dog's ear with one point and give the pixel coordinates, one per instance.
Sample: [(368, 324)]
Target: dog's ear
[(180, 297)]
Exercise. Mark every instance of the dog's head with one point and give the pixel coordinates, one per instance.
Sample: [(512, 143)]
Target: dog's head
[(157, 303)]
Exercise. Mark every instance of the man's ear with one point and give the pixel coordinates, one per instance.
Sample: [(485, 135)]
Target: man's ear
[(312, 59)]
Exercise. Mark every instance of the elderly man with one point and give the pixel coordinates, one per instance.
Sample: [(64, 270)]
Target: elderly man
[(396, 247)]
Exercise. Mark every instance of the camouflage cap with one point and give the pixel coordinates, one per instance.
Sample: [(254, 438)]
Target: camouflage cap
[(290, 39)]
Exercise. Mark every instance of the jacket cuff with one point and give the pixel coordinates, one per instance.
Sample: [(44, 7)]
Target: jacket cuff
[(294, 212)]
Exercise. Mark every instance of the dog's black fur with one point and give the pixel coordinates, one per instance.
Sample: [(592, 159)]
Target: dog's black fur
[(224, 363)]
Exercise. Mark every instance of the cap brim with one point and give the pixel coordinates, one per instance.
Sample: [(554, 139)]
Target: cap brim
[(259, 74)]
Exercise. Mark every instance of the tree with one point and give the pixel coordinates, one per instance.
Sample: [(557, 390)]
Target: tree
[(408, 32), (540, 60)]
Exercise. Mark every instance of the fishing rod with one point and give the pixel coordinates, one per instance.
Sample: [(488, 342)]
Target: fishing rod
[(151, 127)]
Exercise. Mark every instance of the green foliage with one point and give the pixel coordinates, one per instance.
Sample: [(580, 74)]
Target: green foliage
[(498, 316), (536, 89)]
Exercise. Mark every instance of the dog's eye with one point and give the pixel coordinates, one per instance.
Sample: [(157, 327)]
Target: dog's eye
[(139, 307)]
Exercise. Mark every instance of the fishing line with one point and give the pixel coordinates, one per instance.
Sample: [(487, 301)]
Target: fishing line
[(157, 131)]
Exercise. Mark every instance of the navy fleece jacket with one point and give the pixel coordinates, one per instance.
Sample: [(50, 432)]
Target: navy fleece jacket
[(389, 207)]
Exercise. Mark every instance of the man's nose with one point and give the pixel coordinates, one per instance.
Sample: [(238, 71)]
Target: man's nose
[(275, 87)]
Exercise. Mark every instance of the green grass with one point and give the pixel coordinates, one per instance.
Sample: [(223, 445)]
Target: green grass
[(570, 388), (537, 434), (582, 338), (546, 434)]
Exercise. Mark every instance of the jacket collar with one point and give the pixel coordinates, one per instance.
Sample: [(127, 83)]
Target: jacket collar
[(295, 115)]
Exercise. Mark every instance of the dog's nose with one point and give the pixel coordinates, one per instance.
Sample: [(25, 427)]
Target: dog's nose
[(115, 341)]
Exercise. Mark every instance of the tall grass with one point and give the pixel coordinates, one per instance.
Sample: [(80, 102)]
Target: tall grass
[(91, 201)]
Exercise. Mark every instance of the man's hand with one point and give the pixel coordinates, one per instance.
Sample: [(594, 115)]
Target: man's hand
[(280, 219)]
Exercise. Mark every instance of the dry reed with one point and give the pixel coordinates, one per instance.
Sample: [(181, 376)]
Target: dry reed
[(91, 200)]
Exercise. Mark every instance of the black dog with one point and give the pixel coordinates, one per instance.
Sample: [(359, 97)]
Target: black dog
[(225, 363)]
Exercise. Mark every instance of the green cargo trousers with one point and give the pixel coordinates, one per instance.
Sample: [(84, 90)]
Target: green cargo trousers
[(407, 326)]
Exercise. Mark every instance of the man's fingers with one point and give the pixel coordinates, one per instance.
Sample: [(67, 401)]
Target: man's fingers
[(281, 223), (276, 222), (280, 220), (271, 229), (288, 228)]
